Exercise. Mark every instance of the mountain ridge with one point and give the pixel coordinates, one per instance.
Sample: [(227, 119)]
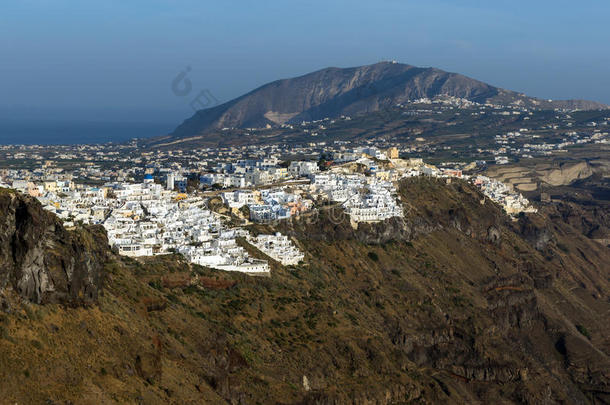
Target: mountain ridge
[(332, 91)]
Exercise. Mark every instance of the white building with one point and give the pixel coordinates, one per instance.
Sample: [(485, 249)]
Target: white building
[(170, 181), (279, 247), (303, 168)]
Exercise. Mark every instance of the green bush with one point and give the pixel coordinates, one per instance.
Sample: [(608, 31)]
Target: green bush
[(583, 331)]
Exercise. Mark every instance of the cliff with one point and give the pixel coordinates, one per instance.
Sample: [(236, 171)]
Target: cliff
[(41, 260), (454, 304)]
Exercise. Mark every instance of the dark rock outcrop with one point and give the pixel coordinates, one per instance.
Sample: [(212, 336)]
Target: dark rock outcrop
[(42, 261), (537, 234)]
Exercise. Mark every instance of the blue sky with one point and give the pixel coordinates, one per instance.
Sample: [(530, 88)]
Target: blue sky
[(116, 59)]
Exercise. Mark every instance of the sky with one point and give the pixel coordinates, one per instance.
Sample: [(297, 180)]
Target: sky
[(115, 60)]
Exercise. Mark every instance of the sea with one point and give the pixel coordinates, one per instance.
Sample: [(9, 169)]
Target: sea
[(18, 132)]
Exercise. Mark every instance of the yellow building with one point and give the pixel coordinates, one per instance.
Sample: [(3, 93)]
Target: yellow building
[(392, 153), (383, 175), (50, 186), (280, 172)]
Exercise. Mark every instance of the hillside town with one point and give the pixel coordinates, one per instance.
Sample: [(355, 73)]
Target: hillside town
[(170, 211), (521, 134)]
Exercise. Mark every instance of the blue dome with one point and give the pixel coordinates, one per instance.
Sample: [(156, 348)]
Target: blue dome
[(149, 177)]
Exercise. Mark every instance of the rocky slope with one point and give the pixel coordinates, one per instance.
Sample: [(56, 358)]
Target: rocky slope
[(41, 260), (454, 304), (332, 92)]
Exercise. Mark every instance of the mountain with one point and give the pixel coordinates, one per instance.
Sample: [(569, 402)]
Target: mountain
[(333, 92), (457, 303)]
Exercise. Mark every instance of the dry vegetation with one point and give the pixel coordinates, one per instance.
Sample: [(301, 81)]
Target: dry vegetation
[(459, 307)]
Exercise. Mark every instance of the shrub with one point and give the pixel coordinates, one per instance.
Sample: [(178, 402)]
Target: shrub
[(173, 298), (583, 331)]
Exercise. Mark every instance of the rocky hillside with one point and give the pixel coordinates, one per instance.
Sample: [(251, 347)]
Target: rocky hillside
[(332, 92), (454, 304), (41, 260)]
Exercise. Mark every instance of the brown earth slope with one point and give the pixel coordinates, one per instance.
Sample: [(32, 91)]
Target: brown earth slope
[(455, 304)]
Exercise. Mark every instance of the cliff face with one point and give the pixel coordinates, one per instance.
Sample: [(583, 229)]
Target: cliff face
[(44, 262), (454, 304)]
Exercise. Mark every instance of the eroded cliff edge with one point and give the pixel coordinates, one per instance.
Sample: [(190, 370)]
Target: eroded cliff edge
[(456, 303), (42, 261)]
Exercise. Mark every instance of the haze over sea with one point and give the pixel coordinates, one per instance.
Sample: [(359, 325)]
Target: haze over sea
[(71, 132)]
